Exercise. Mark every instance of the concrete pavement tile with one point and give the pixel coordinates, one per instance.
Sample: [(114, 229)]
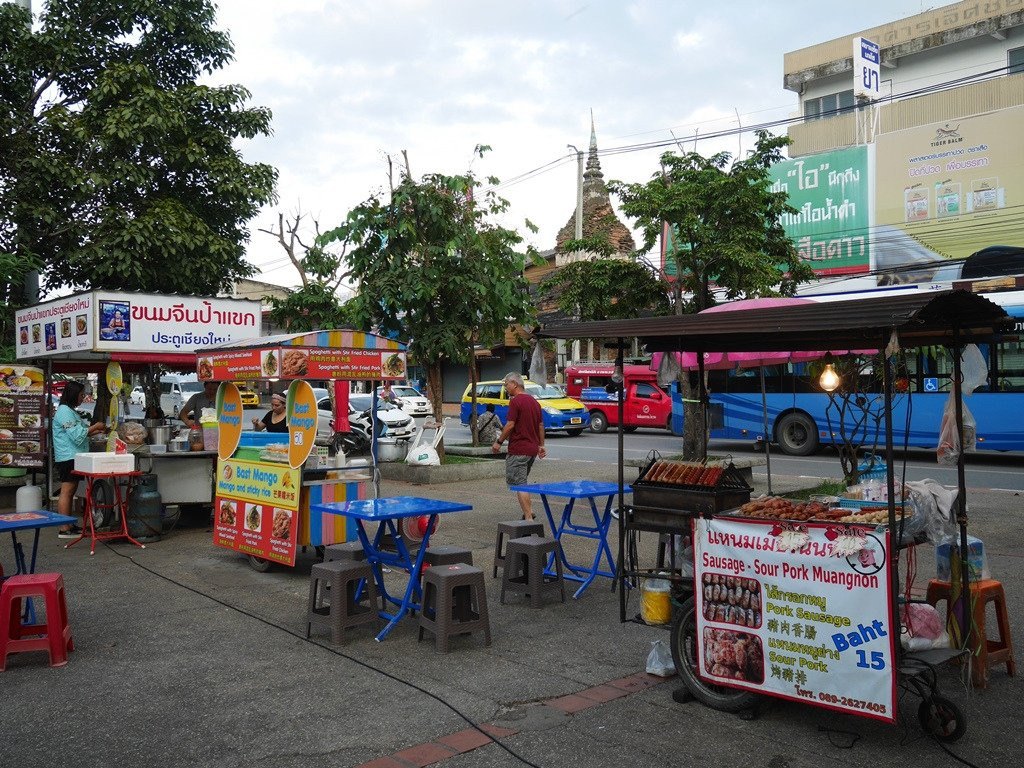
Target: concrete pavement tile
[(571, 704), (602, 693)]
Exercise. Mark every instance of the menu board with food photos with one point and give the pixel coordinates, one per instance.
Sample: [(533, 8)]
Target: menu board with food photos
[(22, 422), (302, 363), (257, 509)]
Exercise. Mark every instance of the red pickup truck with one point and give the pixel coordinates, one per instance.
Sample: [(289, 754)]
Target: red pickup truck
[(645, 404)]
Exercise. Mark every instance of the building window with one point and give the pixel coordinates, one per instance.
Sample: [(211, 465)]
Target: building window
[(829, 106), (1015, 61)]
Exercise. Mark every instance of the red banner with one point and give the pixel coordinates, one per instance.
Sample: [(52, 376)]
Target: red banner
[(302, 363)]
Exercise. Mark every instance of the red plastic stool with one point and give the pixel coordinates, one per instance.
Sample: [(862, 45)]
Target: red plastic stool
[(986, 651), (53, 636)]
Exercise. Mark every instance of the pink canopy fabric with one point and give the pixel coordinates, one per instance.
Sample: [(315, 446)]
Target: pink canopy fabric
[(727, 360)]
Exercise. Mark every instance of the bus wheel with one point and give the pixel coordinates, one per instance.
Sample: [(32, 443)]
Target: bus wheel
[(797, 434), (598, 421)]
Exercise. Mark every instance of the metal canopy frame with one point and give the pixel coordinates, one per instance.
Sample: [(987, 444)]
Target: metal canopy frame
[(951, 318)]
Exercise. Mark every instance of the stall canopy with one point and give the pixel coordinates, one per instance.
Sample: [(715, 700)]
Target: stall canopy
[(943, 317), (334, 354)]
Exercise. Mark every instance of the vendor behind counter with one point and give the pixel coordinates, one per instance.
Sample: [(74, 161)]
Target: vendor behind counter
[(276, 419), (193, 408)]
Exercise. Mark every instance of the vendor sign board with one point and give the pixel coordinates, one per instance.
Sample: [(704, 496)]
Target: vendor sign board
[(115, 321), (55, 328), (302, 363), (799, 612), (257, 508), (302, 422), (229, 420), (22, 436)]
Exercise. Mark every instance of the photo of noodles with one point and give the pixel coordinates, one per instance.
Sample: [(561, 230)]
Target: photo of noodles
[(205, 369), (281, 528), (294, 362), (393, 365), (253, 518), (227, 514), (269, 363)]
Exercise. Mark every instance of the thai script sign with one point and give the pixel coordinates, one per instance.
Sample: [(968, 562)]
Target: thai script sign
[(54, 328), (830, 192)]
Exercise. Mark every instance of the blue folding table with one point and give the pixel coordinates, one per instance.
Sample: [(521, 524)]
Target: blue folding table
[(389, 512), (573, 490)]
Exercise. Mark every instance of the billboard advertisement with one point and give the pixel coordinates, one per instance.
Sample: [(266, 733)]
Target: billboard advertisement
[(54, 328), (947, 190), (831, 194)]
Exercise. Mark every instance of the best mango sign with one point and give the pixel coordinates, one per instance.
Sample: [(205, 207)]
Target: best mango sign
[(302, 419), (262, 482), (229, 420)]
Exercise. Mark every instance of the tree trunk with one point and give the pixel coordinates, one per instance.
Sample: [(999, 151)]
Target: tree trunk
[(436, 396), (693, 420)]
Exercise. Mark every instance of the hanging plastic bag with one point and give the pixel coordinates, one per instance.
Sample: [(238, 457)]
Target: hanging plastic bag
[(538, 368), (973, 369), (669, 369), (950, 443), (659, 660)]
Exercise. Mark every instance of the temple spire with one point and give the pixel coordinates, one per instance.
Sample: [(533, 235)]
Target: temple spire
[(593, 164)]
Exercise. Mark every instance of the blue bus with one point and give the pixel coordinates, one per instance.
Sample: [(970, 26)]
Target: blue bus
[(800, 420)]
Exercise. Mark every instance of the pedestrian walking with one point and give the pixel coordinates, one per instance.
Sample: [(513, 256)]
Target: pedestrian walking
[(524, 430)]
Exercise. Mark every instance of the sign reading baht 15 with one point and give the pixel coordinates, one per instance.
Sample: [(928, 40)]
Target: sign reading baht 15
[(110, 321)]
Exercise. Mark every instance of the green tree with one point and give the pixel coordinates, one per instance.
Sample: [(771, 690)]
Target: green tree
[(432, 266), (117, 169), (315, 305), (726, 232), (607, 289)]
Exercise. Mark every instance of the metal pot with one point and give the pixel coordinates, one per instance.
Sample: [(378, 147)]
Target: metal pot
[(178, 445), (159, 435)]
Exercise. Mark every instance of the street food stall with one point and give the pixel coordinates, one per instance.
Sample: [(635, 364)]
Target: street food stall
[(791, 600), (143, 333), (269, 485)]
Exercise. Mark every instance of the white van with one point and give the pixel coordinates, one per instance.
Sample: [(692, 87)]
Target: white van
[(176, 389)]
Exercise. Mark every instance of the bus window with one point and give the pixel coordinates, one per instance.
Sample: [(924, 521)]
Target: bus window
[(1009, 373)]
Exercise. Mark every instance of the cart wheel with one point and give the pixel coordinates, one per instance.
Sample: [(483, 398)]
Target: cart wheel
[(103, 503), (258, 564), (684, 654), (941, 718)]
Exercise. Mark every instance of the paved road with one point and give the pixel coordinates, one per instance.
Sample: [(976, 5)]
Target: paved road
[(991, 470)]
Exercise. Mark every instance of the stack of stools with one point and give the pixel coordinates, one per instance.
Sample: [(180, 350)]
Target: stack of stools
[(454, 603), (54, 636), (513, 529), (985, 652), (525, 559), (343, 577)]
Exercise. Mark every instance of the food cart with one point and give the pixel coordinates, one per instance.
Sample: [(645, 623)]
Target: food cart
[(786, 606), (82, 333), (268, 485)]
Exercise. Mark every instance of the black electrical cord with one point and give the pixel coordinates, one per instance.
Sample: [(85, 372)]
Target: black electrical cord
[(335, 651)]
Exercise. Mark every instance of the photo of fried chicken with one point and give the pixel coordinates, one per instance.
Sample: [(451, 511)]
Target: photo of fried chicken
[(294, 362), (281, 527)]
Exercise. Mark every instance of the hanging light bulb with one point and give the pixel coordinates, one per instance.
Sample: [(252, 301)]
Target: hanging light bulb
[(829, 379)]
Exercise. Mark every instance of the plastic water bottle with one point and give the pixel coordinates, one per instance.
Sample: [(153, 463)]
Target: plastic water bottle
[(29, 498)]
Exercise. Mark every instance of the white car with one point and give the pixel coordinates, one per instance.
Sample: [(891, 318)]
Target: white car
[(410, 400), (138, 396), (398, 423)]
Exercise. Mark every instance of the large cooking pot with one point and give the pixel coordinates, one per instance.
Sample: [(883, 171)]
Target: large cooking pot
[(159, 435), (178, 445)]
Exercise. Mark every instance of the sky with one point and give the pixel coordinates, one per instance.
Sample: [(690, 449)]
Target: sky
[(350, 83)]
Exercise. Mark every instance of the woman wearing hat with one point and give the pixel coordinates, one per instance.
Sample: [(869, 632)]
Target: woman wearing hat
[(276, 419)]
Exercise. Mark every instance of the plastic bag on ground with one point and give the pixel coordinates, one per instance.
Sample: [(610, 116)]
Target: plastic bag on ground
[(659, 660)]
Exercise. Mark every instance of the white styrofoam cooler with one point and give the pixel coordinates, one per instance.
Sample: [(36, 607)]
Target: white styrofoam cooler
[(104, 462)]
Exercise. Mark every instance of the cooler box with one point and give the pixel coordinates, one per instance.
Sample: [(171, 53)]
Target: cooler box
[(103, 463)]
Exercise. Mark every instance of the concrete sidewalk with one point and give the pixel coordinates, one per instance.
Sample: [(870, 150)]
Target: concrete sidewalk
[(186, 657)]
